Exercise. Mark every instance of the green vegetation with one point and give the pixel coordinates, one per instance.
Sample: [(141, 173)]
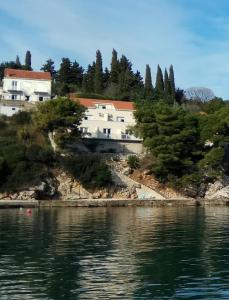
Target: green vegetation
[(27, 157), (89, 169), (133, 162), (187, 147)]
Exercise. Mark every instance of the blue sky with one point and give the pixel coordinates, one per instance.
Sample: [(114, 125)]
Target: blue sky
[(192, 35)]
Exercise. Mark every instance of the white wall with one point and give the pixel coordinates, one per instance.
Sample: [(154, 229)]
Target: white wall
[(8, 110), (26, 87), (98, 119)]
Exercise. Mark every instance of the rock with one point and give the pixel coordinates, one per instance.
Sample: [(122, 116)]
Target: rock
[(191, 191), (147, 172), (213, 188), (127, 171), (105, 195), (96, 195)]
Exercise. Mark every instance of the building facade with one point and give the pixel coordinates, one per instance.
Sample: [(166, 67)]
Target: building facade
[(110, 122), (26, 85)]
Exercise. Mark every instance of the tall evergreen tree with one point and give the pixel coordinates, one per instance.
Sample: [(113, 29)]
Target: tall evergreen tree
[(64, 74), (114, 74), (49, 66), (168, 97), (98, 79), (148, 88), (159, 86), (76, 74), (172, 82), (17, 62), (106, 78), (28, 63), (88, 79)]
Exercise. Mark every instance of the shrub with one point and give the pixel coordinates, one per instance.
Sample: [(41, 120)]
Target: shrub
[(89, 169), (133, 162)]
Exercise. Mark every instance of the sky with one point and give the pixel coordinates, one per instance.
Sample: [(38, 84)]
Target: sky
[(192, 35)]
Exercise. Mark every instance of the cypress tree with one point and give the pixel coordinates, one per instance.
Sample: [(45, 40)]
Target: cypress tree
[(98, 79), (28, 61), (114, 74), (172, 82), (159, 86), (17, 62), (166, 83), (148, 89)]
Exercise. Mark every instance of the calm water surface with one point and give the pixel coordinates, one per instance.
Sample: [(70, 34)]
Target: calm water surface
[(119, 253)]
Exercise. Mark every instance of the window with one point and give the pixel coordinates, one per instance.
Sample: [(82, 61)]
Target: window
[(13, 97), (84, 129), (120, 119), (13, 108), (102, 106), (107, 132), (27, 98), (41, 98), (14, 84)]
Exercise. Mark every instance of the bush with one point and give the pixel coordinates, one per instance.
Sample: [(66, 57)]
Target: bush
[(133, 162), (89, 169)]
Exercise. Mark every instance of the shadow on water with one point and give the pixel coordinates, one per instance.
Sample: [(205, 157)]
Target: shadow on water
[(115, 253)]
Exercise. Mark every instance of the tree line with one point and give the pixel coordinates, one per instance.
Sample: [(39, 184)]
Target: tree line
[(120, 81)]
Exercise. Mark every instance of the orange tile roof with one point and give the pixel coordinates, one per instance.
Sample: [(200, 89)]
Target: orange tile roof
[(119, 105), (27, 74)]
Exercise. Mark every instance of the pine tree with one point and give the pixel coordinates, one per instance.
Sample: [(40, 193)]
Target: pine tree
[(28, 61), (17, 62), (172, 82), (114, 74), (159, 86), (98, 79), (49, 66), (148, 88)]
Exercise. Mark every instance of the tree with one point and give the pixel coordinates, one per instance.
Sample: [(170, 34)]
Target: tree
[(172, 136), (64, 73), (59, 118), (168, 97), (114, 74), (199, 94), (28, 57), (172, 83), (49, 66), (159, 86), (148, 89), (76, 74), (17, 62), (98, 79), (88, 79)]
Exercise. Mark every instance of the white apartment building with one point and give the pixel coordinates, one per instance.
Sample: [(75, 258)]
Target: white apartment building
[(26, 85), (108, 119)]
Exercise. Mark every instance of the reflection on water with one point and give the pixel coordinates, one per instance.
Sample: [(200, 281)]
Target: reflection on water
[(115, 253)]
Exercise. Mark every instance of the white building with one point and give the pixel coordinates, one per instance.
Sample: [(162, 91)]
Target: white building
[(26, 85), (110, 122)]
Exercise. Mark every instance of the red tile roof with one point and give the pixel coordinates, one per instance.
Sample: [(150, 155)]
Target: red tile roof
[(119, 105), (27, 74)]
